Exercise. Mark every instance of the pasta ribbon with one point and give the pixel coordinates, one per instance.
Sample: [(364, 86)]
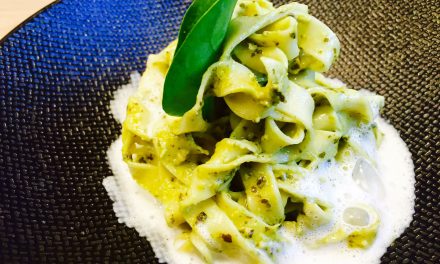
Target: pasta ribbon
[(280, 34), (219, 233), (219, 170), (263, 195), (253, 8)]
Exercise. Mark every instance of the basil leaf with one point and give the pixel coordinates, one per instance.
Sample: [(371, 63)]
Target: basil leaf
[(200, 41), (192, 15)]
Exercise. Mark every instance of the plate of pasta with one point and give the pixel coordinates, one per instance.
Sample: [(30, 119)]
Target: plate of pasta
[(253, 132)]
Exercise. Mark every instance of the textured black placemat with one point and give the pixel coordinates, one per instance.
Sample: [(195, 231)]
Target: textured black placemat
[(57, 77)]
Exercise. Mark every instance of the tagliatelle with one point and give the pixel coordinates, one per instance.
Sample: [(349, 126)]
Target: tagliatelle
[(232, 179)]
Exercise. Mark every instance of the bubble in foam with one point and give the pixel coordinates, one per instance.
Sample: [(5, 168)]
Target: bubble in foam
[(367, 178), (356, 216)]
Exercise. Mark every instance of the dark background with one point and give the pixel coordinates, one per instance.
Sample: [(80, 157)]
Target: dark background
[(57, 77)]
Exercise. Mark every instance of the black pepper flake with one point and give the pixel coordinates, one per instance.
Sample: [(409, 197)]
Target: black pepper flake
[(251, 233), (293, 35), (227, 238), (265, 202), (261, 181), (282, 98), (201, 217), (253, 189), (256, 52)]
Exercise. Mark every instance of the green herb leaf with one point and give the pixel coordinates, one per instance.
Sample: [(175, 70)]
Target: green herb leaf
[(261, 78), (192, 16), (200, 41)]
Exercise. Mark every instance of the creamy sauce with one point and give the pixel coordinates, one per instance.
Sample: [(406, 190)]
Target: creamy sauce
[(385, 183)]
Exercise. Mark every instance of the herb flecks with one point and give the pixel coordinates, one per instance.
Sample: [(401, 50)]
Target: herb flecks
[(227, 238), (278, 97), (261, 181), (256, 52), (201, 218), (266, 202)]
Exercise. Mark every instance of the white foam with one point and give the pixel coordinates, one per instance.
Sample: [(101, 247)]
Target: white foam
[(395, 206), (118, 106), (330, 182)]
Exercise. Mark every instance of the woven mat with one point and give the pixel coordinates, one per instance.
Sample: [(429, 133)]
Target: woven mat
[(58, 74)]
